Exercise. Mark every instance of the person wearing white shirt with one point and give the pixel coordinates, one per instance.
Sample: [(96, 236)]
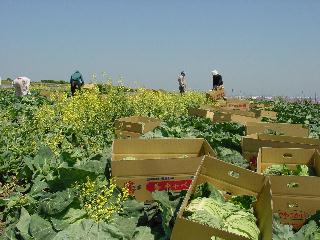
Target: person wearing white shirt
[(22, 85)]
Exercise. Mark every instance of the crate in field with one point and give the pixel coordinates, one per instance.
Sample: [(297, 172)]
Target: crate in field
[(295, 198), (147, 165), (89, 86), (200, 112), (137, 124), (217, 94), (232, 181), (268, 114), (239, 104), (251, 143), (244, 120), (211, 113), (126, 134), (298, 130)]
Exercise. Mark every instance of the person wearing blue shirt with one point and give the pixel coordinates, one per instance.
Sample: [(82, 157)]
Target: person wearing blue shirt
[(76, 81)]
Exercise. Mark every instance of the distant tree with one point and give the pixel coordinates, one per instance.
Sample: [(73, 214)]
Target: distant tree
[(54, 81), (9, 79)]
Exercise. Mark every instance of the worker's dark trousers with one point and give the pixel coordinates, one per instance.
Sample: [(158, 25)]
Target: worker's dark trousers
[(74, 86)]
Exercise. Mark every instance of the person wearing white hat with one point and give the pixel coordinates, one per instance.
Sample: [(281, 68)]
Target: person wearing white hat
[(216, 79), (21, 85)]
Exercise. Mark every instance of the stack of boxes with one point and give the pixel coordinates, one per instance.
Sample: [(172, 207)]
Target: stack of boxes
[(233, 110), (182, 164)]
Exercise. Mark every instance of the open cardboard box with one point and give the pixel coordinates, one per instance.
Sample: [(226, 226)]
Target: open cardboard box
[(137, 124), (209, 112), (165, 164), (268, 114), (200, 112), (88, 86), (238, 112), (293, 204), (252, 143), (298, 130), (235, 181), (127, 134), (244, 120), (239, 104), (216, 94), (261, 105)]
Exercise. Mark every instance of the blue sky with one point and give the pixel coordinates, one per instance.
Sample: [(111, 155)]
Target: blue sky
[(260, 47)]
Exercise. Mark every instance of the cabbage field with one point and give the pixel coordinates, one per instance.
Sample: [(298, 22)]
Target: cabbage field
[(55, 155)]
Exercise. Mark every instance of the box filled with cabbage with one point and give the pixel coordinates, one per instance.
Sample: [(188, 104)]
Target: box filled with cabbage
[(225, 202), (295, 183), (288, 161)]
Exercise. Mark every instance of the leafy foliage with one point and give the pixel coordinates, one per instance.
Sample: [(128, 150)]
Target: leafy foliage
[(48, 144), (310, 230), (282, 169)]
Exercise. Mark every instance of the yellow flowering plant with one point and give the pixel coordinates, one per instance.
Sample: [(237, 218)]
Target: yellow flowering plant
[(101, 199)]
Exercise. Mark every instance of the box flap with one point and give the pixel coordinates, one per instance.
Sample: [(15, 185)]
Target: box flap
[(232, 174), (263, 210)]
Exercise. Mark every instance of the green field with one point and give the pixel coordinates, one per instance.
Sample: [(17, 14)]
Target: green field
[(55, 154)]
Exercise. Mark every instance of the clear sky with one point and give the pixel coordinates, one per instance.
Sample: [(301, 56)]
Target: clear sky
[(260, 47)]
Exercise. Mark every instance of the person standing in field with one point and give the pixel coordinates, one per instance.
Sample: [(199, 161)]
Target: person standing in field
[(216, 79), (22, 85), (76, 81), (182, 82)]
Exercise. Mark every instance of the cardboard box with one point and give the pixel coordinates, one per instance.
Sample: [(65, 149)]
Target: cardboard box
[(221, 117), (199, 112), (239, 112), (298, 130), (221, 102), (290, 157), (238, 104), (209, 112), (268, 114), (175, 159), (251, 143), (88, 86), (293, 204), (142, 186), (261, 105), (243, 119), (227, 115), (235, 181), (294, 210), (137, 124), (216, 94), (126, 134)]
